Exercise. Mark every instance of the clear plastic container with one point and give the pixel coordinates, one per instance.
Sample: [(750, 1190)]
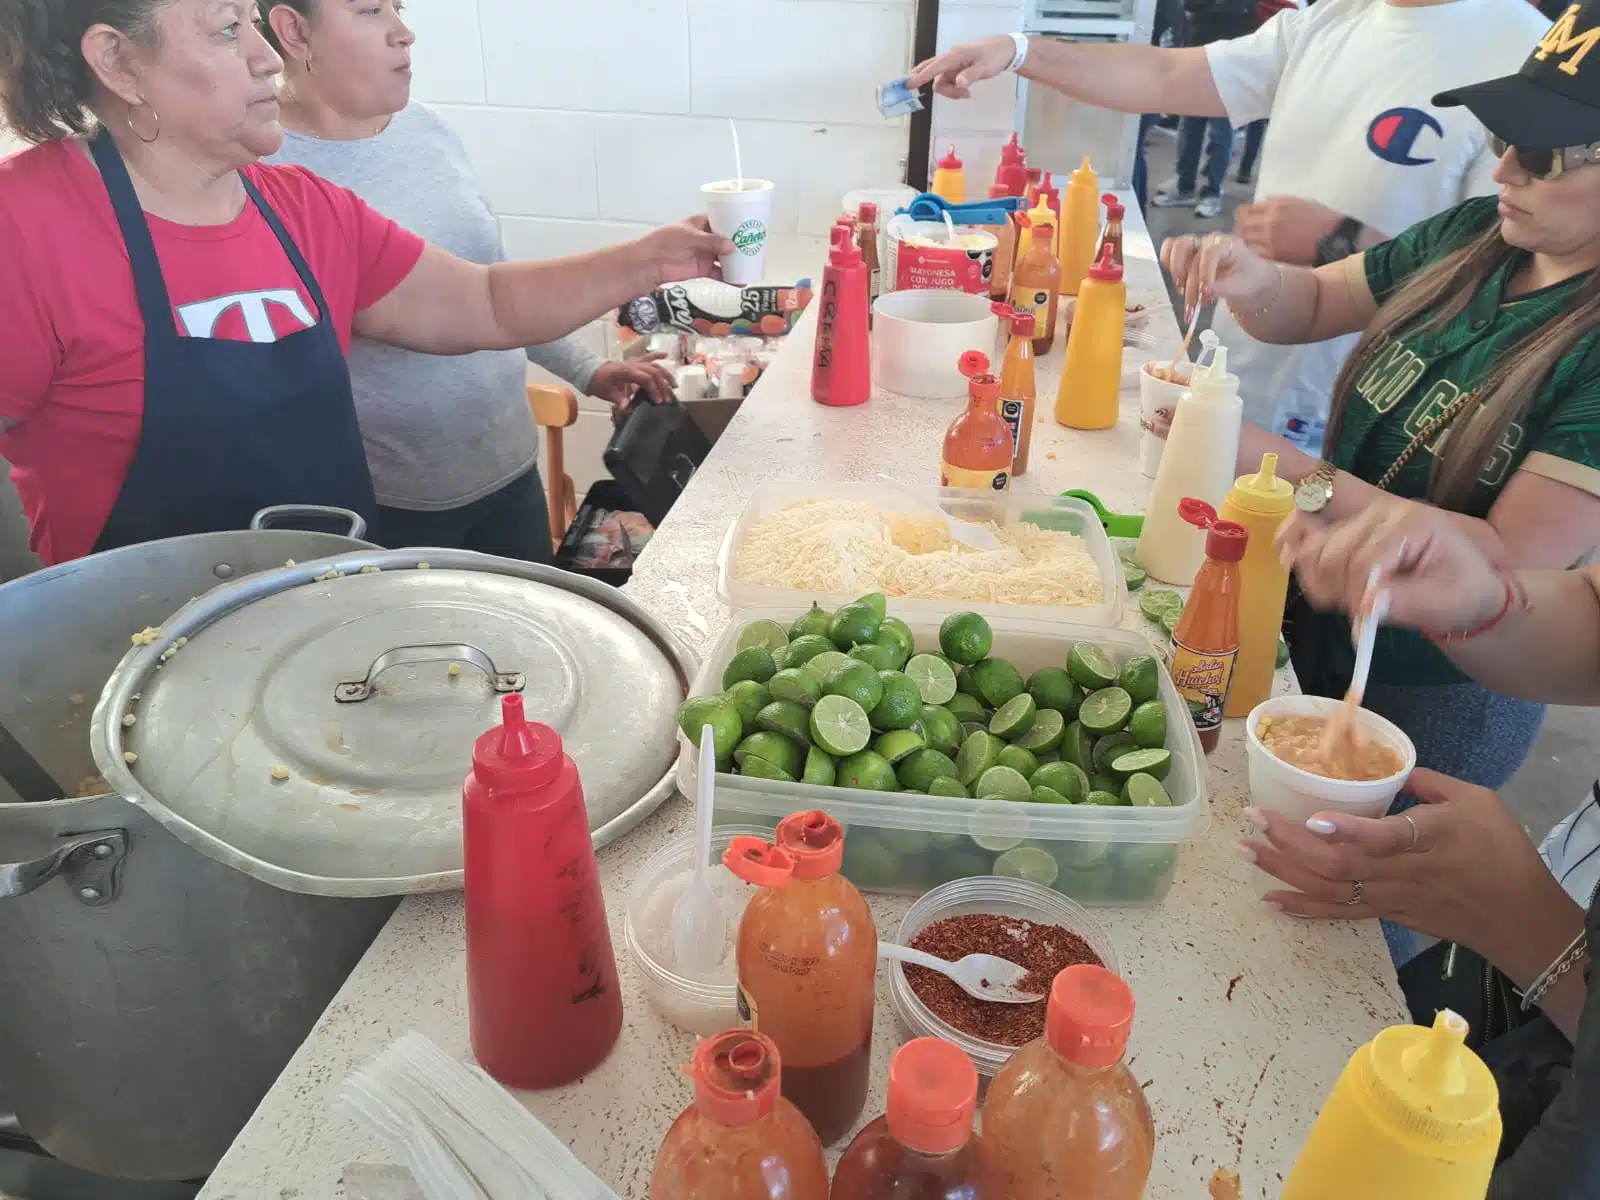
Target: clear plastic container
[(998, 897), (910, 843), (701, 1005), (1006, 508)]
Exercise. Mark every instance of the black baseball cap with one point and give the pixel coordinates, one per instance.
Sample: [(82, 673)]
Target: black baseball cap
[(1554, 101)]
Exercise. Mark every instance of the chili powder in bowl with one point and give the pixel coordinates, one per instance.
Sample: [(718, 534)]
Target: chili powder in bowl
[(989, 914)]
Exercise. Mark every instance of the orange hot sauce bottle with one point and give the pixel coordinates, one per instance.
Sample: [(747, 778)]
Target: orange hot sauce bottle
[(978, 450), (1018, 392), (1205, 644)]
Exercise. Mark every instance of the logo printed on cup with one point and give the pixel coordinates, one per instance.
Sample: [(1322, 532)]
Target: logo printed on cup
[(749, 237)]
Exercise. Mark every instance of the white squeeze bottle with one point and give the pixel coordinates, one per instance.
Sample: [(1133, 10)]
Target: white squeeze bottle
[(1198, 461)]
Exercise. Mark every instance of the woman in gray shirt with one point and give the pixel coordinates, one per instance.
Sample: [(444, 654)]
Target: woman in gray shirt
[(450, 440)]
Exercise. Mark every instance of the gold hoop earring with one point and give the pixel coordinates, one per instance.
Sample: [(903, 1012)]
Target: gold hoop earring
[(148, 141)]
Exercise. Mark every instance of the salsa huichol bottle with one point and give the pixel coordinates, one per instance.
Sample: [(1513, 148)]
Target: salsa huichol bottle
[(807, 963), (924, 1147), (978, 450), (740, 1139), (1065, 1119), (1205, 642)]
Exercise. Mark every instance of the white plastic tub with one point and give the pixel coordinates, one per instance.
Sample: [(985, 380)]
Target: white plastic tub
[(1006, 508), (899, 842), (1299, 795), (918, 338), (998, 897)]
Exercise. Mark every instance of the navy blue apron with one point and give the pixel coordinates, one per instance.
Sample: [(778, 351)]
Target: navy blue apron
[(230, 427)]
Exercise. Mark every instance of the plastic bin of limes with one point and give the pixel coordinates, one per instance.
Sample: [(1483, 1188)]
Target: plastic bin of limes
[(846, 700)]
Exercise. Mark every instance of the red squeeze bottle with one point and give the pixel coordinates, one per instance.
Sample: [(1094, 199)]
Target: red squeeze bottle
[(1012, 173), (841, 373), (542, 997)]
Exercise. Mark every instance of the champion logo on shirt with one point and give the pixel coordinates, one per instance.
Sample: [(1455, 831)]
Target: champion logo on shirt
[(254, 309), (1394, 133)]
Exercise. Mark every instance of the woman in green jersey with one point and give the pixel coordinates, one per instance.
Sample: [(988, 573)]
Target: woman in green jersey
[(1475, 388)]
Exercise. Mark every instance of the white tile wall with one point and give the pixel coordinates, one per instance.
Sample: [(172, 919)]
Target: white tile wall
[(978, 126), (592, 120)]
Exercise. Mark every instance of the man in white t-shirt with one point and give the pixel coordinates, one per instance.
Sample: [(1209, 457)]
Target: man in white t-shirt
[(1354, 151)]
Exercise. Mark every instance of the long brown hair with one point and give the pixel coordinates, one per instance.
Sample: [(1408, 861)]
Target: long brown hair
[(1431, 299)]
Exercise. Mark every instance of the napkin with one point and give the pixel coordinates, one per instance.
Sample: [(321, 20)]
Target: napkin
[(462, 1135)]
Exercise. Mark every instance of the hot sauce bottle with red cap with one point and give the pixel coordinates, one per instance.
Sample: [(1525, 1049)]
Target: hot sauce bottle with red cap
[(1205, 642), (740, 1139), (1064, 1118), (923, 1148), (978, 450), (543, 1003), (807, 957)]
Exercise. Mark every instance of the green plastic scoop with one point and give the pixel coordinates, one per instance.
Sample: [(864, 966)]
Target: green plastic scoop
[(1117, 525)]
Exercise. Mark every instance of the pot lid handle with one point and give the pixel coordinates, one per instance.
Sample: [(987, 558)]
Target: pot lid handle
[(355, 691), (278, 514)]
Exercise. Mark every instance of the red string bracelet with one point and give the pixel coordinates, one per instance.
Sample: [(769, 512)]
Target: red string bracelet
[(1516, 598)]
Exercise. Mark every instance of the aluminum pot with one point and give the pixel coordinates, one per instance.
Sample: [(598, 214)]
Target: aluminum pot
[(152, 995)]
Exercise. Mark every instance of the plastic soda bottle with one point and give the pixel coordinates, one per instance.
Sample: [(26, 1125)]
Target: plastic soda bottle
[(1064, 1118), (740, 1139)]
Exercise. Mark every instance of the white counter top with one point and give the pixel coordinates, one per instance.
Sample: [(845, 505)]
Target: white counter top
[(1245, 1018)]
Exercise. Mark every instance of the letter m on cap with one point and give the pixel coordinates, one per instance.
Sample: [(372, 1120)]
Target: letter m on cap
[(1565, 40)]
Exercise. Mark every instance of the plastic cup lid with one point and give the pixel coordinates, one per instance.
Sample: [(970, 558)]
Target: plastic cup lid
[(1089, 1016), (933, 1094), (737, 1076)]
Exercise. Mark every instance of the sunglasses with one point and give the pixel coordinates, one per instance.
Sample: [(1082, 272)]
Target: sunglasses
[(1547, 164)]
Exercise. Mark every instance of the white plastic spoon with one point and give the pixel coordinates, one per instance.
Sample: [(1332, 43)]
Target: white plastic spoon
[(699, 921), (985, 976)]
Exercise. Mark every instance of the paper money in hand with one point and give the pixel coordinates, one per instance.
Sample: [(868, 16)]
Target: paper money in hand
[(895, 99)]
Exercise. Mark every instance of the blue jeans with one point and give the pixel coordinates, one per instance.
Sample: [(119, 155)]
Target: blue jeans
[(1215, 134), (1254, 133), (1141, 177), (513, 522)]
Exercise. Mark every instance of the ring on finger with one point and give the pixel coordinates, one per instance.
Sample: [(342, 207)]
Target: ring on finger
[(1358, 893), (1196, 241), (1415, 833)]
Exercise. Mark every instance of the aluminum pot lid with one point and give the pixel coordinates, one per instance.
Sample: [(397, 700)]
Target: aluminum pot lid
[(313, 725)]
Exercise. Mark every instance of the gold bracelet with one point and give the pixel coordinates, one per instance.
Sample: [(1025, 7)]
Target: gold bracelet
[(1277, 290)]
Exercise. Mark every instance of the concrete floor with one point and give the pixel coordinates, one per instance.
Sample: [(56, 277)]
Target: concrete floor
[(1564, 761)]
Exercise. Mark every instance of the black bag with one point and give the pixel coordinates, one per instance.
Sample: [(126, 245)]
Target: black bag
[(654, 455)]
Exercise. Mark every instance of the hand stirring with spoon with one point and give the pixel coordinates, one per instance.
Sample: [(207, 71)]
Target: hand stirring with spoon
[(984, 976), (1342, 725), (699, 920)]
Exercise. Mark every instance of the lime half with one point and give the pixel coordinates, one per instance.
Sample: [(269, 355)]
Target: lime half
[(1145, 791), (933, 677), (768, 635), (795, 685), (1157, 602), (1088, 665), (978, 753), (898, 744), (1015, 717), (1154, 763), (1030, 863), (998, 826), (840, 726), (822, 664), (1004, 783), (1105, 710), (1045, 732)]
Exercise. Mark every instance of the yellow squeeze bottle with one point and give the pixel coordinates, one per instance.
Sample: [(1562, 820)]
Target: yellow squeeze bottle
[(1260, 503), (1091, 376), (949, 180), (1080, 227), (1415, 1116)]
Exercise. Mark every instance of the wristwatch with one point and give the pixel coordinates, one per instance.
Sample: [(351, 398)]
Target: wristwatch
[(1315, 492), (1341, 243)]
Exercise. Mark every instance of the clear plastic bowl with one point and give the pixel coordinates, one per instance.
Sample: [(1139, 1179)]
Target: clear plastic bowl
[(995, 896), (699, 1005)]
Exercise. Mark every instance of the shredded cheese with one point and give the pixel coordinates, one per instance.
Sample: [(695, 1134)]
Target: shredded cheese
[(849, 545)]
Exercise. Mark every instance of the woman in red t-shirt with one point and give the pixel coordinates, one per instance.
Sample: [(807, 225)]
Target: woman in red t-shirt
[(174, 315)]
